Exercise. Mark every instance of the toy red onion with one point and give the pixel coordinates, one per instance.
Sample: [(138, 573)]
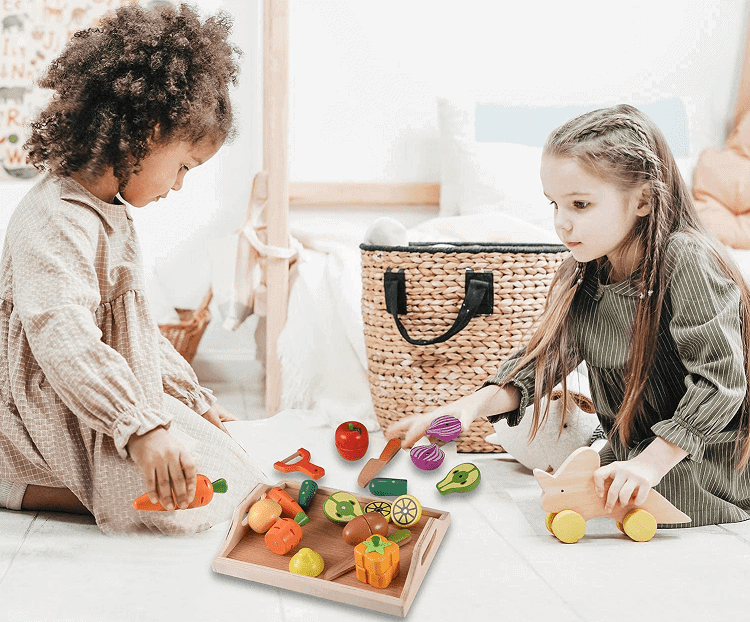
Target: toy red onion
[(427, 457), (445, 428)]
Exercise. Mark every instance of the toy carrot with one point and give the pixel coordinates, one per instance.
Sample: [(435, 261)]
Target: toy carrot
[(204, 492), (288, 505)]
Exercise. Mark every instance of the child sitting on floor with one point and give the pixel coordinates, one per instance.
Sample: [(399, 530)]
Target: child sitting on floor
[(97, 406), (655, 308)]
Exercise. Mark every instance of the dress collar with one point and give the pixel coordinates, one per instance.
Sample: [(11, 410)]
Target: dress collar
[(595, 284), (112, 213)]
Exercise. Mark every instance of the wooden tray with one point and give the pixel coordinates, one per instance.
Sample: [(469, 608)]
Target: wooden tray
[(244, 554)]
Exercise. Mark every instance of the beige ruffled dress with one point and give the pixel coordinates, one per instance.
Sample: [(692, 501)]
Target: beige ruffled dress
[(83, 366)]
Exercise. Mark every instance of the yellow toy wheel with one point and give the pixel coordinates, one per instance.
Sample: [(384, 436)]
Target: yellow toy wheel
[(639, 525), (548, 522), (568, 526), (381, 507), (406, 511)]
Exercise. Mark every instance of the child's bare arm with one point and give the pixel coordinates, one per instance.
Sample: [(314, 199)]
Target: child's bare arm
[(165, 466), (489, 400)]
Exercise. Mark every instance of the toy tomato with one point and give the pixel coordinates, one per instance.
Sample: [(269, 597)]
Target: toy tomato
[(352, 440)]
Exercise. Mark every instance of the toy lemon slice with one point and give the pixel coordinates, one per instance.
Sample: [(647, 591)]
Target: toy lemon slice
[(406, 511), (381, 507)]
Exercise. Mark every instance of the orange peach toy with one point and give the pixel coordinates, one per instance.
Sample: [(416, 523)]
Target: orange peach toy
[(263, 514)]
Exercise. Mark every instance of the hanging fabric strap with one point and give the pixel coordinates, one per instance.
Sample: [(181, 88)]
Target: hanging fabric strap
[(477, 300)]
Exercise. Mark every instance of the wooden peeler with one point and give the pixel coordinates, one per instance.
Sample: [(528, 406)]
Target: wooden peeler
[(303, 464)]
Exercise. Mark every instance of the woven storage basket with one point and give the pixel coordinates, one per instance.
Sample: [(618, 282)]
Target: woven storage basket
[(408, 378), (187, 333)]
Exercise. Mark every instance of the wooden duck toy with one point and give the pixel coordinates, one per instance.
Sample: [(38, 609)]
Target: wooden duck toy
[(569, 498)]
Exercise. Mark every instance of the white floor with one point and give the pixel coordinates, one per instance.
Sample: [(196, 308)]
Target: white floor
[(497, 561)]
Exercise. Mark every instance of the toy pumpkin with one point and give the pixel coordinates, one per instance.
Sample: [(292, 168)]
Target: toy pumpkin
[(376, 561)]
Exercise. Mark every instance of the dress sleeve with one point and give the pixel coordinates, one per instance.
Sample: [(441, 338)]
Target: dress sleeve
[(523, 381), (180, 381), (705, 326), (56, 294)]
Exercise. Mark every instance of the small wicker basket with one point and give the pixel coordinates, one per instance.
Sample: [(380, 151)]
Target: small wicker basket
[(186, 334), (435, 280)]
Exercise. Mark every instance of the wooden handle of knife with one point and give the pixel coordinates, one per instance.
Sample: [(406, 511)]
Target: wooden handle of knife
[(391, 449)]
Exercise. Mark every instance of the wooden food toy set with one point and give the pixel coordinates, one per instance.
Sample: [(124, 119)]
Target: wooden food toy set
[(356, 557), (330, 541), (569, 498)]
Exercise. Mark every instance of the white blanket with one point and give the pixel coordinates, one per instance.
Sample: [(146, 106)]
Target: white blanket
[(322, 349)]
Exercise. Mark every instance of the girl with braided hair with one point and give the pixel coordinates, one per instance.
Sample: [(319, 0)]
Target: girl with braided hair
[(658, 312), (97, 406)]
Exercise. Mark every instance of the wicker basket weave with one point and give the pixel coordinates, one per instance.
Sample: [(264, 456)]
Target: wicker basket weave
[(408, 379), (187, 333)]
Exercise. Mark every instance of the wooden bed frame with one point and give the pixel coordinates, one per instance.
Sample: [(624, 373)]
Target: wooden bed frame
[(281, 193)]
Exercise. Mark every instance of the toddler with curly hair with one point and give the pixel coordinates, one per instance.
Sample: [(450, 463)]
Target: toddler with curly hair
[(97, 406)]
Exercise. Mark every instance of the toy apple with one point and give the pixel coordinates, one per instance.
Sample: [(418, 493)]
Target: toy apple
[(352, 440)]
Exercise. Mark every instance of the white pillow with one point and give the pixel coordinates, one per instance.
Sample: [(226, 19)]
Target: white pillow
[(486, 177), (481, 177)]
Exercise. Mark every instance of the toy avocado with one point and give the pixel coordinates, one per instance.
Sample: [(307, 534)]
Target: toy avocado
[(461, 478), (341, 507)]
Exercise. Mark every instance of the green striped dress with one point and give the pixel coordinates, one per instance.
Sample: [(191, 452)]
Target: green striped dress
[(696, 388)]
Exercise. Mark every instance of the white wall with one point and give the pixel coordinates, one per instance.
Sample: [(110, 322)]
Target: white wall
[(365, 76)]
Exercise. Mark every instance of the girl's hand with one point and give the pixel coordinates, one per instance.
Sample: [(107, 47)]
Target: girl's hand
[(486, 401), (631, 481), (165, 467), (217, 415)]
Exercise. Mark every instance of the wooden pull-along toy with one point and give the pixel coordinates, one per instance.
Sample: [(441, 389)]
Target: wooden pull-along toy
[(204, 492), (303, 464), (375, 465), (569, 497)]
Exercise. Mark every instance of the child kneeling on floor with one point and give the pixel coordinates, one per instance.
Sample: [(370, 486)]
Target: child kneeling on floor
[(655, 308), (98, 407)]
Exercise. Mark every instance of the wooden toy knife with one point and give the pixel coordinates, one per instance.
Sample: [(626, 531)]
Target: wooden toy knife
[(374, 465)]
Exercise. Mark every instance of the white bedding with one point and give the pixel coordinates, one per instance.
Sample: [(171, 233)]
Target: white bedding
[(321, 349)]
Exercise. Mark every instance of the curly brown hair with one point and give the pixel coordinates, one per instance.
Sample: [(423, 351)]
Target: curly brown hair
[(140, 78)]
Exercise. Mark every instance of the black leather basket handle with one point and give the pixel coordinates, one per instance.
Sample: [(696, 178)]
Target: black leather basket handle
[(477, 301)]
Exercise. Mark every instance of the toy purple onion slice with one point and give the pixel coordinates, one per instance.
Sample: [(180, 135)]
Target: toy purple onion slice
[(427, 457), (445, 428)]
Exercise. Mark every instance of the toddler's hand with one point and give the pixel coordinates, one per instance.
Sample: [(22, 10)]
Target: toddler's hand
[(631, 480), (486, 401), (165, 466), (414, 427), (217, 415)]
